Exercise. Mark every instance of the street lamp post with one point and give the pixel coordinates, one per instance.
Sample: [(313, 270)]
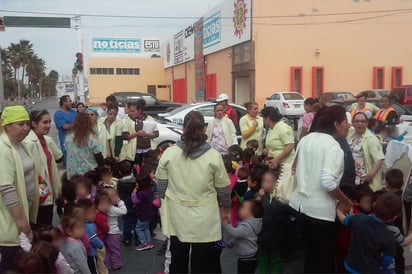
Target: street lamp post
[(1, 85), (79, 91)]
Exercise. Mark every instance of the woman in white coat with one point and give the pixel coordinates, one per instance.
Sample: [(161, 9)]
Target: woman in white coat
[(221, 132), (46, 155)]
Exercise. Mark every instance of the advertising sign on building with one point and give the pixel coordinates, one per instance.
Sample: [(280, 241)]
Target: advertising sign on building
[(125, 45), (199, 61), (227, 25), (179, 48)]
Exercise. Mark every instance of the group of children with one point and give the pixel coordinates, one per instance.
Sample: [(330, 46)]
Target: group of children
[(368, 240), (88, 239)]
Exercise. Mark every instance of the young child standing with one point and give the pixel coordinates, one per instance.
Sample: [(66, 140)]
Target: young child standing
[(103, 204), (106, 178), (125, 187), (72, 248), (238, 193), (95, 242), (373, 245), (276, 225), (142, 198), (394, 183), (245, 235), (117, 209)]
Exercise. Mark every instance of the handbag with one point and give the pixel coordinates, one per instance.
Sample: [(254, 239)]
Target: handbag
[(286, 182)]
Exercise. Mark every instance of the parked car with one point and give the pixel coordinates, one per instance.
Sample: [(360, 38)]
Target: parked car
[(289, 103), (336, 95), (169, 133), (376, 93), (403, 94), (177, 115), (402, 110), (153, 106)]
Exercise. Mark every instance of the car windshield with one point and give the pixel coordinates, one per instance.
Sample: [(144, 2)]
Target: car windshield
[(344, 96), (384, 92), (293, 96), (179, 109)]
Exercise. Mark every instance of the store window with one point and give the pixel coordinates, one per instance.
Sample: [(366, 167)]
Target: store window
[(317, 81), (127, 71), (102, 71), (397, 73), (296, 79), (378, 77)]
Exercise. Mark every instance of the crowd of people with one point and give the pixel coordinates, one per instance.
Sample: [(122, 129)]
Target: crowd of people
[(326, 191)]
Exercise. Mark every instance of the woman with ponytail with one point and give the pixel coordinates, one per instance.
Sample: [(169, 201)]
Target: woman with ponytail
[(193, 184)]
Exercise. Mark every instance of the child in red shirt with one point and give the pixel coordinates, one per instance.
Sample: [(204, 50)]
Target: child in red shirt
[(102, 203)]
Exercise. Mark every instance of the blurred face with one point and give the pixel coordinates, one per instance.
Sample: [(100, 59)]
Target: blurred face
[(360, 123), (92, 116), (385, 102), (268, 183), (68, 103), (342, 128), (81, 191), (18, 131), (308, 108), (43, 127), (57, 242), (78, 231), (104, 206), (111, 115), (219, 112), (90, 214), (245, 211), (107, 179), (114, 196), (267, 122), (80, 108), (254, 110), (134, 112), (365, 204), (361, 102), (250, 183)]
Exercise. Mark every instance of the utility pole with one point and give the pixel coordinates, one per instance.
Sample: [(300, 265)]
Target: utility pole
[(80, 90)]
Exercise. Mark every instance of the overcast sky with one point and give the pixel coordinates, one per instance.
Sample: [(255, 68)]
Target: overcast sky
[(58, 46)]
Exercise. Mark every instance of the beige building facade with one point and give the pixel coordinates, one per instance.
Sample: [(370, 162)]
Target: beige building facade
[(307, 46), (113, 74), (250, 49)]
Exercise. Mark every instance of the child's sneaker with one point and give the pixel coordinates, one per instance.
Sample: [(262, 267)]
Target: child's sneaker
[(144, 246)]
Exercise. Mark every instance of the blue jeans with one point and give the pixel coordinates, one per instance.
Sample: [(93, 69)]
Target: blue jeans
[(128, 227), (143, 231)]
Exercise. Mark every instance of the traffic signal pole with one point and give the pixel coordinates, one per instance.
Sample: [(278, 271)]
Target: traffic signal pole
[(80, 90)]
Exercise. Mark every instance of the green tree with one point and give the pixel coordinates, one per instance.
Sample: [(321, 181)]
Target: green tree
[(49, 83), (35, 72)]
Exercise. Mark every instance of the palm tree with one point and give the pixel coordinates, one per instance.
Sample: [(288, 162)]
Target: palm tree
[(50, 81), (36, 72), (20, 55)]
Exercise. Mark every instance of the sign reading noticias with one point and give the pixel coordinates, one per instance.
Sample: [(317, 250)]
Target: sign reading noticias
[(117, 45)]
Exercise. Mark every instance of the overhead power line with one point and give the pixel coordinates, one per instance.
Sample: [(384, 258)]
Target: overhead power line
[(195, 18), (333, 22)]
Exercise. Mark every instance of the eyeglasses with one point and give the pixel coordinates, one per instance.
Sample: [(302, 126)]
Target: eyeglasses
[(360, 122)]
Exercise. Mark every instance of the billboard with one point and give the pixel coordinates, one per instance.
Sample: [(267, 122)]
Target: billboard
[(226, 25), (125, 45), (179, 48)]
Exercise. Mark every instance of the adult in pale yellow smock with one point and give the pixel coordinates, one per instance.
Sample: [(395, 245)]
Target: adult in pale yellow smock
[(193, 183), (280, 140), (19, 194), (45, 153), (132, 132), (251, 127), (367, 153), (114, 127), (221, 132), (102, 135)]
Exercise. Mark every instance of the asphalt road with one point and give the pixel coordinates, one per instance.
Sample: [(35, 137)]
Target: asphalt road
[(149, 262)]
